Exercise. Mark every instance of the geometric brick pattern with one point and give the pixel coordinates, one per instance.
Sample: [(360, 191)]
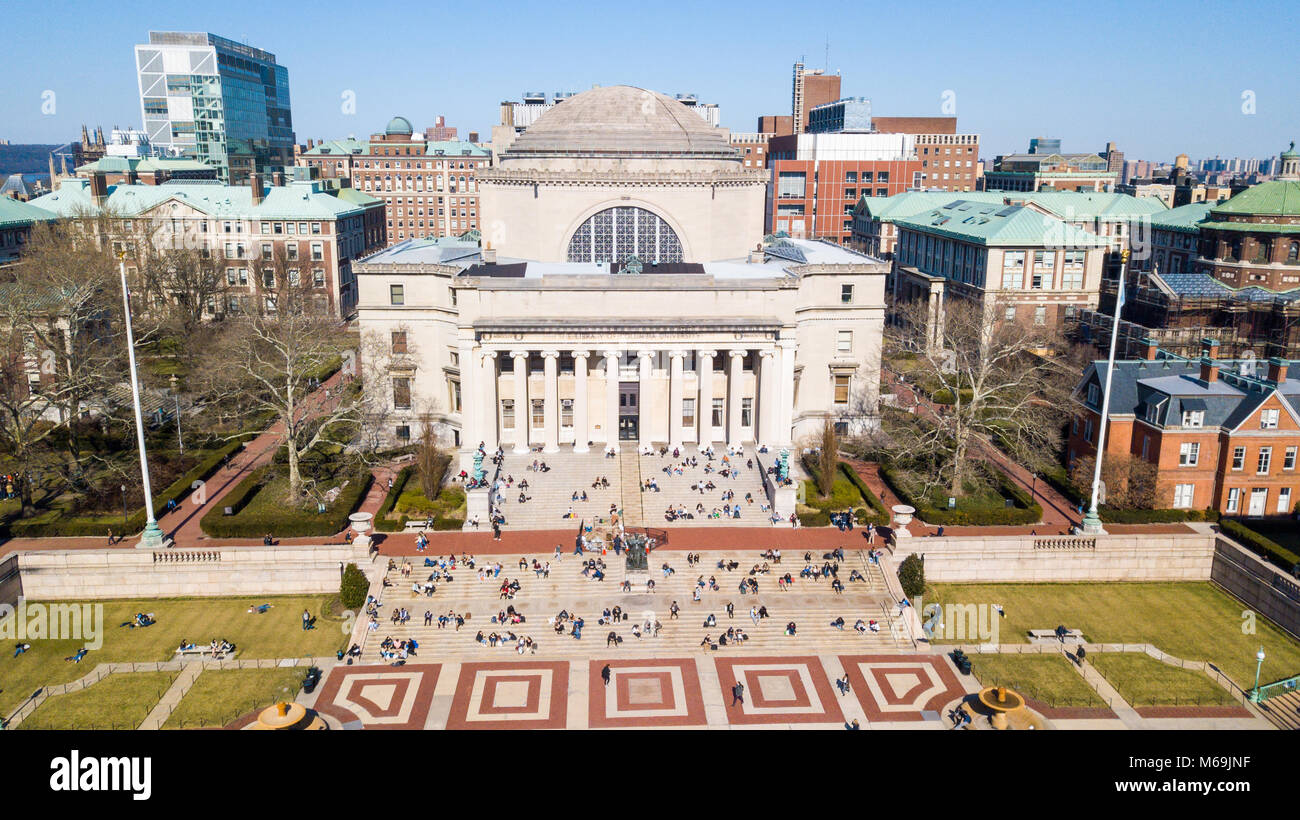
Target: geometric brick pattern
[(645, 693), (901, 687), (529, 695), (381, 697), (778, 690)]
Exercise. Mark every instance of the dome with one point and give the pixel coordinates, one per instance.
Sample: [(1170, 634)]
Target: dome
[(398, 126), (1291, 152), (624, 121)]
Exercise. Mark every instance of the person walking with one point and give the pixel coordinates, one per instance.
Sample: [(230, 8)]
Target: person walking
[(110, 536), (672, 611), (604, 674), (496, 531), (843, 684), (738, 694)]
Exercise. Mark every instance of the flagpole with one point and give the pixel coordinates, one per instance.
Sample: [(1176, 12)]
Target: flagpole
[(153, 537), (1092, 521)]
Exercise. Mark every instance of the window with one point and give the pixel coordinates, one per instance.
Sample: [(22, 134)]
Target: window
[(318, 278), (401, 394), (1010, 314), (566, 412), (614, 234), (1239, 458), (1189, 453), (1183, 495), (508, 414), (397, 294), (842, 384), (403, 432), (1094, 395), (688, 412), (453, 393), (1265, 460), (539, 413), (1268, 419), (1288, 459), (844, 341), (717, 412), (1044, 259), (399, 341), (1040, 315), (746, 412), (1193, 418), (1234, 499), (1284, 500), (846, 294), (317, 252), (1087, 429)]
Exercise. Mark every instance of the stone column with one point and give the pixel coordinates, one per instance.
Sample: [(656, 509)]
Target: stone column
[(581, 435), (784, 433), (551, 396), (487, 409), (733, 396), (675, 358), (768, 405), (471, 430), (704, 413), (523, 413), (611, 398), (643, 431)]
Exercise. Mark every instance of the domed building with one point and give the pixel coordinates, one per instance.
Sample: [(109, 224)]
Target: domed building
[(618, 172), (1253, 239)]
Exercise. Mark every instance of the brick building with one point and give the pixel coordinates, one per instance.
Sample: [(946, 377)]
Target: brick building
[(428, 188), (1222, 434)]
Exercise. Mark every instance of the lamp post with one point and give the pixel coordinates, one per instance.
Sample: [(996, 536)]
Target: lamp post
[(1092, 521), (1259, 663), (153, 537), (180, 442)]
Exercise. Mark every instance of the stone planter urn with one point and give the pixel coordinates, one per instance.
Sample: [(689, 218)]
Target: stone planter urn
[(360, 522), (902, 517)]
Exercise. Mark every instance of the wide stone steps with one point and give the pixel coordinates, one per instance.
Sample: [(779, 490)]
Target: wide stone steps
[(675, 490), (1283, 711), (630, 487)]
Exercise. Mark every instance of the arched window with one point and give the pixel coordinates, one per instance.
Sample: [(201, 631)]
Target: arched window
[(615, 234)]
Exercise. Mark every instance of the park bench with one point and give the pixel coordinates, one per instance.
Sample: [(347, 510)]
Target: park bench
[(416, 524), (1049, 635), (200, 651)]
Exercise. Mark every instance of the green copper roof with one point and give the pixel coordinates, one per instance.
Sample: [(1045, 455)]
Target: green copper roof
[(1290, 153), (1184, 218), (1072, 206), (1281, 197), (456, 148), (144, 165), (998, 225), (398, 126), (296, 200), (15, 214), (337, 147)]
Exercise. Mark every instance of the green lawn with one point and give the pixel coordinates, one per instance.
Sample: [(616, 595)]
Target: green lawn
[(219, 696), (1046, 678), (116, 702), (276, 634), (1144, 681), (412, 503), (1192, 621), (843, 496)]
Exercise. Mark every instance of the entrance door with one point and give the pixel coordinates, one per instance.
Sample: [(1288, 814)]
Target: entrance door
[(1258, 501), (629, 411)]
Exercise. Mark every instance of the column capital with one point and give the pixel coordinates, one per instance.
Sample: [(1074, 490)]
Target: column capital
[(767, 354), (612, 354), (487, 354), (677, 354), (581, 354), (646, 354), (708, 354), (550, 354), (520, 354), (738, 354)]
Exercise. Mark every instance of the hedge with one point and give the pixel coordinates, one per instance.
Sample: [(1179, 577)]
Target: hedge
[(1261, 544), (285, 523), (1028, 513), (1161, 516), (881, 515), (45, 526)]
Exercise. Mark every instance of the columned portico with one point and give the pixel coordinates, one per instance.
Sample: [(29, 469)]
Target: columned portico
[(704, 413), (551, 401), (769, 407), (645, 423), (733, 396), (581, 434), (523, 413), (611, 398)]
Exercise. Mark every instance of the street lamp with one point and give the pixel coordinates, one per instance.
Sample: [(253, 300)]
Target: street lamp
[(1092, 521), (153, 537), (1259, 663), (180, 442)]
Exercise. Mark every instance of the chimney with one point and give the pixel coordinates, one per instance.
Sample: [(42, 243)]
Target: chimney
[(1210, 348), (98, 188), (489, 254), (1151, 349), (255, 182), (277, 179), (473, 136), (1277, 370)]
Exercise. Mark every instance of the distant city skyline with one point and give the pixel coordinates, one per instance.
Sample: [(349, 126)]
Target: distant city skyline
[(1155, 96)]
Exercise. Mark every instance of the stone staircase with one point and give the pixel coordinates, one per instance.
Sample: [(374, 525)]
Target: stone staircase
[(1282, 711), (550, 494), (812, 605), (629, 469), (675, 490)]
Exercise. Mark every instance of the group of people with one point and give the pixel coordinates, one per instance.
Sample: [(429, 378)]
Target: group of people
[(391, 650)]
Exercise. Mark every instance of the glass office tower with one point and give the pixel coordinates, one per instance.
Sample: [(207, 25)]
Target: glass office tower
[(218, 101)]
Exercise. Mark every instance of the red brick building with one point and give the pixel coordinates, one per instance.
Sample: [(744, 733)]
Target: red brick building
[(1222, 434), (428, 188)]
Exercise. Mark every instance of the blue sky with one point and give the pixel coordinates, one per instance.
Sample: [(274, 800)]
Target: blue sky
[(1158, 78)]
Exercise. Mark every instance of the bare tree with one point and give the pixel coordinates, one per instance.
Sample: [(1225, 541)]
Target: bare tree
[(827, 458), (992, 371), (1130, 481), (271, 357)]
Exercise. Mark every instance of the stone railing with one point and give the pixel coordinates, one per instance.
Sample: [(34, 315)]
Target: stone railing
[(1065, 542), (186, 556)]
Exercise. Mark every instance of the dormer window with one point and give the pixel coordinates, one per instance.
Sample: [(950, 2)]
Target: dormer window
[(1094, 394), (1193, 418)]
